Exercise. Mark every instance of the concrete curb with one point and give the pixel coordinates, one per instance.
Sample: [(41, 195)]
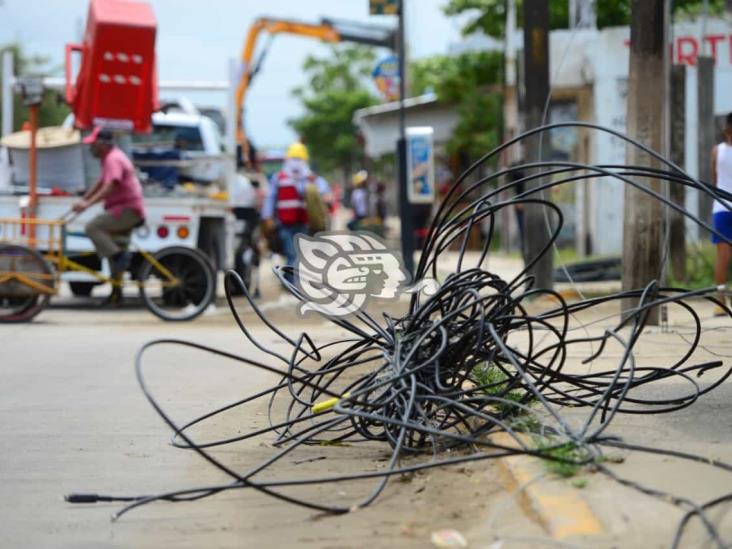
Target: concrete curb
[(560, 508)]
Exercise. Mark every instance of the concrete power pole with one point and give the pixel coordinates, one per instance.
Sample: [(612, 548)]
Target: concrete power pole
[(643, 227), (706, 132), (510, 116), (406, 211), (677, 229), (582, 14), (536, 92)]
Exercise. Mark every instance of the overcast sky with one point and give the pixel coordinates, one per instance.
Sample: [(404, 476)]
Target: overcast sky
[(196, 39)]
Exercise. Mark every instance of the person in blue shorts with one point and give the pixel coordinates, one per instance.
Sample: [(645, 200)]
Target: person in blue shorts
[(722, 210)]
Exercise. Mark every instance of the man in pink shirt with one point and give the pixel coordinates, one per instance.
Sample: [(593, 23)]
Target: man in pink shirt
[(121, 192)]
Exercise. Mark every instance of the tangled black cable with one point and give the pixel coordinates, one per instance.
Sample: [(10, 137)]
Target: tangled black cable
[(468, 362)]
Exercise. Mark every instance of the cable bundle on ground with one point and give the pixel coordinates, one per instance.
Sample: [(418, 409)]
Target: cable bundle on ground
[(480, 356)]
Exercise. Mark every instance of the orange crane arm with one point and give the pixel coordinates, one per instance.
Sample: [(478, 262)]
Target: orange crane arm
[(322, 31)]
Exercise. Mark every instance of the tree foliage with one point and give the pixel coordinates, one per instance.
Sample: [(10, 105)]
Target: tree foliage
[(489, 16), (465, 81), (336, 89), (52, 111)]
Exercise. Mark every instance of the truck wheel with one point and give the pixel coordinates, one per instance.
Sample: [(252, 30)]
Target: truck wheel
[(82, 289)]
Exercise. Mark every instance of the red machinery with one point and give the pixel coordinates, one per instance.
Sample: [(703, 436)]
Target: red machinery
[(116, 85)]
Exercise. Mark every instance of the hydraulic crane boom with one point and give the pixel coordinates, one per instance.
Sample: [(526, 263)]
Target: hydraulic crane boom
[(327, 30)]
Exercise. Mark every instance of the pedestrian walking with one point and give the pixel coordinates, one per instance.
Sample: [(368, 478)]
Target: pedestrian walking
[(380, 202), (721, 214), (359, 200), (245, 204), (284, 212)]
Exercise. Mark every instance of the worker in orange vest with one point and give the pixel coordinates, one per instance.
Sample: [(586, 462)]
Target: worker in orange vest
[(284, 212)]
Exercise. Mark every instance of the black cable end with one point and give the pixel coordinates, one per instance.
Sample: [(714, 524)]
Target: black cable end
[(81, 498)]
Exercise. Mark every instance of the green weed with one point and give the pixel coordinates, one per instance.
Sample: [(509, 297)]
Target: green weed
[(565, 460), (493, 381)]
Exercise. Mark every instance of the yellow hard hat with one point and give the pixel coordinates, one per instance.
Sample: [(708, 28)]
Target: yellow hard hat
[(298, 150), (359, 178)]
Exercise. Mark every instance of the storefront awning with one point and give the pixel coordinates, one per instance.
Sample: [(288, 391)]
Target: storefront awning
[(380, 124)]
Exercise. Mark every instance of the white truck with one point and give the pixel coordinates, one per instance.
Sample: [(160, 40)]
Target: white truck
[(186, 178)]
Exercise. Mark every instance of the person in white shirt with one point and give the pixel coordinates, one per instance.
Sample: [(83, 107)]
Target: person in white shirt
[(722, 210)]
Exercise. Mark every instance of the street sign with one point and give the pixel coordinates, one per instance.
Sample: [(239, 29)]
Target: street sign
[(384, 7), (386, 77), (420, 165), (30, 89)]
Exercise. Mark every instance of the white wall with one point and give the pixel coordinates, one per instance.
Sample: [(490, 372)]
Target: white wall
[(600, 59)]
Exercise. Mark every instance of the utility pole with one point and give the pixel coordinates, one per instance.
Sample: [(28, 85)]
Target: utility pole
[(536, 92), (677, 229), (705, 118), (643, 227), (6, 93), (405, 208), (582, 14), (30, 89), (706, 132), (510, 116)]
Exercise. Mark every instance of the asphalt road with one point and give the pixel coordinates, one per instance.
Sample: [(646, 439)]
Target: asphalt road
[(75, 420)]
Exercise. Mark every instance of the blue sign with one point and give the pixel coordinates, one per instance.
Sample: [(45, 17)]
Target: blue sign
[(386, 77), (420, 165)]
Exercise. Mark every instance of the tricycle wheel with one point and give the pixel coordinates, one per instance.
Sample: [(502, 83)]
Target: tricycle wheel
[(26, 283), (190, 290)]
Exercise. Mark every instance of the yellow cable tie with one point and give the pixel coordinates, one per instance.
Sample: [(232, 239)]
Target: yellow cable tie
[(327, 404)]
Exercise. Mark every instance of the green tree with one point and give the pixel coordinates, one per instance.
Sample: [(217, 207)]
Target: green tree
[(489, 16), (52, 110), (336, 89), (468, 81)]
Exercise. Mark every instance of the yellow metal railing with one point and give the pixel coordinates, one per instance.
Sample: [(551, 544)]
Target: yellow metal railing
[(45, 236)]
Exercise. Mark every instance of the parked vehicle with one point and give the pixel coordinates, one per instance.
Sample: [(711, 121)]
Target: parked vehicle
[(186, 178)]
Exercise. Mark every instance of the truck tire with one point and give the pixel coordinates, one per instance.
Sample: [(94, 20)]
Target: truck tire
[(212, 241), (82, 289)]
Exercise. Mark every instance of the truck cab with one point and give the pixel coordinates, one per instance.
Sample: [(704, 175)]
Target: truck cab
[(186, 136)]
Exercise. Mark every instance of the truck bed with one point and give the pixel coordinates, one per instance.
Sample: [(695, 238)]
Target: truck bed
[(170, 221)]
